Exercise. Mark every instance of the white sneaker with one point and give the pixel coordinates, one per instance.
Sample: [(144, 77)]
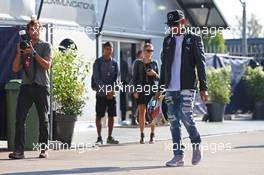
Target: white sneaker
[(176, 161)]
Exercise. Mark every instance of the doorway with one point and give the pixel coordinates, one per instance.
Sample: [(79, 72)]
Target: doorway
[(125, 52)]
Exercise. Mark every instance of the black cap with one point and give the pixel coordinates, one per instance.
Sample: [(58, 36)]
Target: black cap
[(174, 17)]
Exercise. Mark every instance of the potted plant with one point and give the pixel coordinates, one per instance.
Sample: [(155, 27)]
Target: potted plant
[(254, 79), (69, 72), (219, 91)]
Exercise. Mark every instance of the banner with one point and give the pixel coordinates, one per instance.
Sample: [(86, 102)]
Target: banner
[(78, 12), (8, 40)]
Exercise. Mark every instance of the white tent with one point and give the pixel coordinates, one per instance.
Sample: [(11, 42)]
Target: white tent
[(77, 12), (15, 12)]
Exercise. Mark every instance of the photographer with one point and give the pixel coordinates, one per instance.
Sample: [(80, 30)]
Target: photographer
[(35, 61)]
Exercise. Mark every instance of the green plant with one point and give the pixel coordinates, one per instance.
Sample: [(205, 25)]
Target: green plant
[(214, 43), (254, 79), (219, 85), (70, 71)]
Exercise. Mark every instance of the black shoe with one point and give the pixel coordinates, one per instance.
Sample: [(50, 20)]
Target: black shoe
[(152, 138), (142, 138), (111, 140), (99, 141), (16, 155), (134, 121), (43, 154)]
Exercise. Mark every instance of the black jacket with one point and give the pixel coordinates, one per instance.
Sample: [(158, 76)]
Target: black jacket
[(139, 73), (192, 59)]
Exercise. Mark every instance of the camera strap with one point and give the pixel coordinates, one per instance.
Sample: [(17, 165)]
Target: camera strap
[(28, 60)]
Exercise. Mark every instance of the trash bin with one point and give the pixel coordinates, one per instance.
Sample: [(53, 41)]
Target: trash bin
[(2, 112), (32, 122)]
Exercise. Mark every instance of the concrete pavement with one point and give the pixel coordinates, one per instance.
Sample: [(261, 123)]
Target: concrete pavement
[(85, 132), (235, 154)]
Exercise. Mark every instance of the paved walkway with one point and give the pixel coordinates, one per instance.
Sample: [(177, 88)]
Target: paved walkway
[(86, 132), (236, 154)]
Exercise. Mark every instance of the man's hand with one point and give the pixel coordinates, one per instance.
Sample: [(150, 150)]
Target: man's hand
[(157, 96), (27, 51), (151, 73), (110, 95), (135, 95), (204, 96), (30, 49)]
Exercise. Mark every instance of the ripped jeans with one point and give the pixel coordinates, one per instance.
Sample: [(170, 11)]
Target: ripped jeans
[(180, 108)]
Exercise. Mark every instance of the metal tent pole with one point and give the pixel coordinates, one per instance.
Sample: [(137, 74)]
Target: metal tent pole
[(101, 28)]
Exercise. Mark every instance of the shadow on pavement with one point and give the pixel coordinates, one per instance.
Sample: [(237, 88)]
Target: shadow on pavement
[(4, 150), (248, 146), (91, 170), (26, 158)]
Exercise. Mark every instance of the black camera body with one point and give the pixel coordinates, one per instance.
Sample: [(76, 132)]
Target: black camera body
[(24, 45), (26, 40)]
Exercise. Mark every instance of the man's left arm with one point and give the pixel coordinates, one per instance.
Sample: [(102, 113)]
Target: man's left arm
[(201, 67), (116, 72), (46, 61)]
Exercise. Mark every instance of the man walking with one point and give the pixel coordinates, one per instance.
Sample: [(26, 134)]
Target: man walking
[(182, 55)]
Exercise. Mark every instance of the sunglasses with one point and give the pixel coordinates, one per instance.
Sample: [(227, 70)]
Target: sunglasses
[(150, 50)]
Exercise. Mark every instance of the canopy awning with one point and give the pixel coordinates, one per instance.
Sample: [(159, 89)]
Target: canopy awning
[(202, 13)]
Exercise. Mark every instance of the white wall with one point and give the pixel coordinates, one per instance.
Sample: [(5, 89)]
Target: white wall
[(87, 48)]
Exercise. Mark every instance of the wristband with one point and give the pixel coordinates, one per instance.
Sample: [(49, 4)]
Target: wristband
[(34, 53)]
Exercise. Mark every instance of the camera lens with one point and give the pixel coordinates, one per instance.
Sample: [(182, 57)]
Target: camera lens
[(23, 45)]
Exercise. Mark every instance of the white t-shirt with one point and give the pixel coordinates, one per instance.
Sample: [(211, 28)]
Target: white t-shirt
[(175, 83)]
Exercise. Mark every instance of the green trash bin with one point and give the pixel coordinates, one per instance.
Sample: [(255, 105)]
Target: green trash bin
[(32, 122)]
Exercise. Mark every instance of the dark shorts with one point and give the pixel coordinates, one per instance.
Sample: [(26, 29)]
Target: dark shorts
[(103, 104), (144, 99)]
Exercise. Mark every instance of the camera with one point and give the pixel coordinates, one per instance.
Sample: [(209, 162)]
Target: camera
[(26, 40)]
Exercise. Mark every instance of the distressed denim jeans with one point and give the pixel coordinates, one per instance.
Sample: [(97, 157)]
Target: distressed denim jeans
[(180, 109)]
